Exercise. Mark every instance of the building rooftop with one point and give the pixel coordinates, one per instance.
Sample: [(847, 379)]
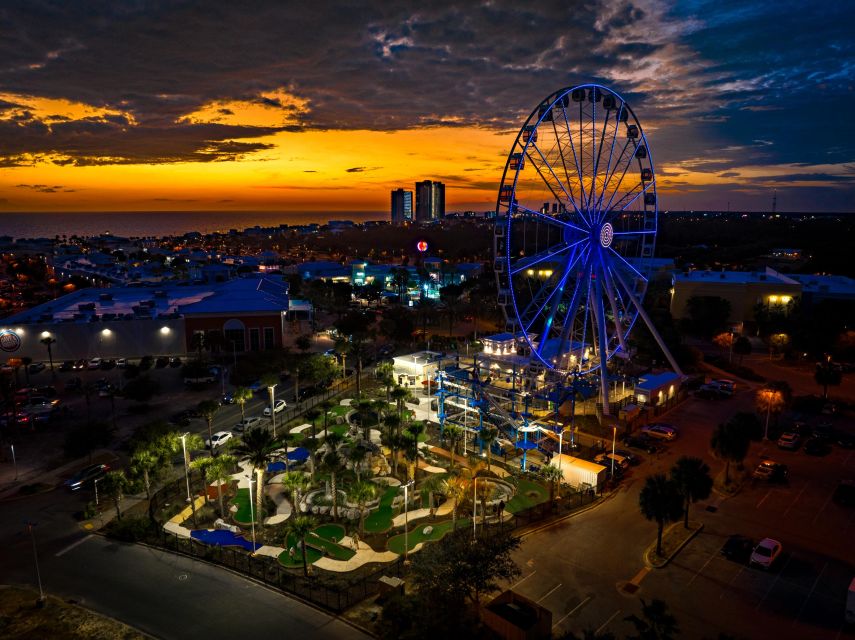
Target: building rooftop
[(653, 381), (825, 284), (734, 277)]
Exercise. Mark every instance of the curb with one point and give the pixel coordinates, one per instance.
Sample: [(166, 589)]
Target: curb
[(336, 616), (664, 562), (527, 532), (15, 497)]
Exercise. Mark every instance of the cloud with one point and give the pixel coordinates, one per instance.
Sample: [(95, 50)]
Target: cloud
[(45, 188), (361, 169)]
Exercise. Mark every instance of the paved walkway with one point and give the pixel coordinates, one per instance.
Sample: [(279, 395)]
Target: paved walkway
[(443, 510), (279, 494)]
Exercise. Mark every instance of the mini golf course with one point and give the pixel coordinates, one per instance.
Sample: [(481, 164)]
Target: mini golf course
[(528, 494), (244, 514), (417, 535), (223, 538), (380, 519), (322, 541)]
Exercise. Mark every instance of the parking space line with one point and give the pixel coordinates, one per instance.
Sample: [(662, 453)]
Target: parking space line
[(774, 582), (549, 592), (704, 566), (763, 499), (575, 609), (810, 593), (793, 503), (824, 505), (73, 545), (606, 623), (521, 580)]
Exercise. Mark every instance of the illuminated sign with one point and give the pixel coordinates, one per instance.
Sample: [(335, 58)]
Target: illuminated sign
[(422, 246), (9, 341)]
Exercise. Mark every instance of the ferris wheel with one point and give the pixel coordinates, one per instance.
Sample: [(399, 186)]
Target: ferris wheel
[(576, 230)]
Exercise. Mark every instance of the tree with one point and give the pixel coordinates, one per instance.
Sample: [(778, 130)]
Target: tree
[(361, 494), (411, 447), (48, 342), (488, 435), (450, 297), (692, 476), (241, 396), (355, 457), (455, 488), (826, 375), (660, 500), (303, 342), (326, 407), (385, 372), (332, 464), (312, 415), (433, 484), (220, 471), (141, 389), (461, 568), (742, 347), (730, 443), (400, 395), (295, 482), (357, 327), (553, 476), (300, 527), (208, 409), (453, 433), (149, 461), (114, 485), (257, 446), (655, 623)]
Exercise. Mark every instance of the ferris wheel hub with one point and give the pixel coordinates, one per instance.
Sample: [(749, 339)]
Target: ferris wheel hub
[(607, 234)]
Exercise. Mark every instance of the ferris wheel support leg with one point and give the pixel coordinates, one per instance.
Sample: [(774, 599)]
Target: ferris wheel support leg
[(650, 326), (604, 356), (611, 295)]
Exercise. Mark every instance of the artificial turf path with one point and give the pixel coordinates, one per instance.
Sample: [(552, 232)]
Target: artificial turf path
[(380, 519)]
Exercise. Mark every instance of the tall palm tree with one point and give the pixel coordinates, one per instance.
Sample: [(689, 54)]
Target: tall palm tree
[(326, 406), (433, 484), (220, 470), (553, 476), (147, 461), (312, 445), (400, 395), (385, 373), (208, 409), (187, 445), (114, 485), (312, 415), (257, 446), (202, 465), (332, 464), (295, 482), (456, 489), (49, 342), (379, 407), (355, 457), (488, 435), (730, 443), (241, 396), (660, 500), (454, 434), (414, 430), (692, 476), (361, 494), (300, 527)]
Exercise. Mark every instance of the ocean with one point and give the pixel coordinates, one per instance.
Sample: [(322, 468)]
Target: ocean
[(162, 223)]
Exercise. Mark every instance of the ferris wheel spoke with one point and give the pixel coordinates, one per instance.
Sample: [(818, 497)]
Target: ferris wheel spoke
[(627, 264), (610, 293), (623, 206), (566, 172), (576, 162), (534, 303), (610, 178), (632, 234), (551, 220), (552, 173), (573, 308), (609, 171), (556, 300), (623, 174), (530, 261)]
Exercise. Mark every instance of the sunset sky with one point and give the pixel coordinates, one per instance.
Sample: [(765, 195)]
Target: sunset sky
[(327, 106)]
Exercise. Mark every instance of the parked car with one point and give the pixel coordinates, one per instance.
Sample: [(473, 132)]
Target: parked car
[(844, 494), (817, 446), (629, 456), (765, 553), (108, 364), (146, 362), (80, 365), (771, 471), (247, 423), (68, 365), (94, 363), (161, 362), (606, 459), (228, 398), (175, 362), (122, 363), (35, 367), (726, 387), (738, 548), (660, 431), (642, 443), (789, 441), (86, 476), (709, 392), (182, 418), (278, 407), (218, 439)]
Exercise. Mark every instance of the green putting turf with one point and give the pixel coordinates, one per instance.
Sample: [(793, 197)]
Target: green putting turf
[(334, 532), (241, 499), (416, 534), (322, 541), (528, 494), (381, 518)]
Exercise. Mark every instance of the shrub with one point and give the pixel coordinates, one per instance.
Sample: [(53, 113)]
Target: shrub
[(131, 529)]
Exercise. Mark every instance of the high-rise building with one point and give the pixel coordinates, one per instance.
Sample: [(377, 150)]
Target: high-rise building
[(430, 201), (402, 206)]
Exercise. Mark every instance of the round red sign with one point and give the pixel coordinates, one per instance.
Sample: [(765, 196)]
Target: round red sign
[(9, 341)]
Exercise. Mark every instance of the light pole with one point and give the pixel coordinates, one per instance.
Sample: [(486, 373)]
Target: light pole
[(251, 512), (95, 484), (474, 508), (186, 468), (14, 461), (30, 526), (406, 518), (271, 390), (614, 437)]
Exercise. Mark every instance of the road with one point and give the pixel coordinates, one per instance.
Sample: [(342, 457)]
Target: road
[(165, 595)]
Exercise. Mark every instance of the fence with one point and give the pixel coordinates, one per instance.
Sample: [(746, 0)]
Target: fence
[(338, 387)]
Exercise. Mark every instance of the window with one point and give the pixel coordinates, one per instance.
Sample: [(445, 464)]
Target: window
[(269, 338), (254, 339), (235, 339)]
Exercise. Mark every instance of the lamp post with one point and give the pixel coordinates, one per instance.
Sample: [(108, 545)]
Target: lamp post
[(186, 468), (14, 461), (474, 509), (614, 437), (95, 484), (271, 390), (251, 512), (406, 518), (30, 526)]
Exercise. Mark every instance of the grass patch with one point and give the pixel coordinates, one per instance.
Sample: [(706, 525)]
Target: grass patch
[(380, 519), (528, 494), (417, 535), (323, 541), (244, 513)]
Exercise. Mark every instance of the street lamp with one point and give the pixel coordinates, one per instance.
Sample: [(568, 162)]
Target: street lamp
[(186, 469), (614, 437), (30, 526), (14, 461), (251, 512), (406, 519), (474, 508), (272, 389)]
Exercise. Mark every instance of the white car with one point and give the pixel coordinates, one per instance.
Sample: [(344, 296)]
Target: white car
[(218, 439), (765, 553), (122, 363), (660, 431), (247, 423), (94, 363), (278, 407)]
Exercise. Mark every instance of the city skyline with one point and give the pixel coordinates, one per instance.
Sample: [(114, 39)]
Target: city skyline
[(206, 107)]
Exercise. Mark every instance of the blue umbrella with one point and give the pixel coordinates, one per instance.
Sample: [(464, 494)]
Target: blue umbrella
[(300, 454), (525, 444)]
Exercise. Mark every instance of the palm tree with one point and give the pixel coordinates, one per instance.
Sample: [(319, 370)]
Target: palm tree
[(220, 471), (242, 395), (827, 374), (553, 476), (400, 395), (49, 342), (433, 484), (333, 465), (326, 407), (257, 446), (411, 451), (207, 409), (453, 433), (455, 488), (362, 493), (385, 373), (148, 461), (295, 482), (730, 443), (300, 527), (202, 465), (189, 443), (379, 407), (692, 476), (355, 457), (660, 500), (312, 415), (488, 436), (312, 445), (114, 485)]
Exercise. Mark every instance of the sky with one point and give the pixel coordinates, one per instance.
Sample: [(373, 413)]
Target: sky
[(312, 106)]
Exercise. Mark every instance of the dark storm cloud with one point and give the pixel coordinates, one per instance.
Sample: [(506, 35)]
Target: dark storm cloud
[(45, 188), (707, 75)]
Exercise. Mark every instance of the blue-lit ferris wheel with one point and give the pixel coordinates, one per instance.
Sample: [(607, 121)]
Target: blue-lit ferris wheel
[(576, 229)]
